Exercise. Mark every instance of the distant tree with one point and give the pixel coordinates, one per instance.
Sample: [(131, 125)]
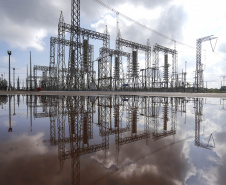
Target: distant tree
[(223, 88)]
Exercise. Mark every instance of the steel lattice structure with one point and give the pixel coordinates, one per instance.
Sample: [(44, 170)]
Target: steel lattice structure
[(80, 111), (61, 55), (64, 71), (85, 67), (148, 71), (133, 67), (79, 73), (77, 138), (74, 62), (106, 75), (198, 105), (52, 65), (44, 78), (105, 67), (156, 82), (199, 82)]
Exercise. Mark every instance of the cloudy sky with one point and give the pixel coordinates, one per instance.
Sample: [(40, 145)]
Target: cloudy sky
[(27, 25)]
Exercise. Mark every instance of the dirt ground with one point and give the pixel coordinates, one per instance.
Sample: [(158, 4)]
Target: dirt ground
[(101, 93)]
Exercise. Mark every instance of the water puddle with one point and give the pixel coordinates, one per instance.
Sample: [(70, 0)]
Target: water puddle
[(83, 140)]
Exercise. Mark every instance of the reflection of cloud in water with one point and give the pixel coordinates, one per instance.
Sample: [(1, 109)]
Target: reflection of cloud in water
[(24, 160), (211, 167), (220, 139), (23, 145), (6, 124), (158, 163)]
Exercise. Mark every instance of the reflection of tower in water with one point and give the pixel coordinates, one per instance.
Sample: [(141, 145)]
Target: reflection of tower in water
[(10, 124), (165, 131), (104, 119), (165, 114), (132, 120), (198, 105), (80, 112)]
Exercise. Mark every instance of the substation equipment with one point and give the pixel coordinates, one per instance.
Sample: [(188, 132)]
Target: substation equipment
[(79, 73)]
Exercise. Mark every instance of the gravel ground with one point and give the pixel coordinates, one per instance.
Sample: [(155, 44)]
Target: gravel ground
[(96, 93)]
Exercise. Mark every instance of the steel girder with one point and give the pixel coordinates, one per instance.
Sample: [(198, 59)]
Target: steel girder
[(130, 44), (87, 33)]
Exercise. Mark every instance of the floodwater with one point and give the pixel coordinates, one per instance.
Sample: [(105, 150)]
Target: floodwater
[(109, 140)]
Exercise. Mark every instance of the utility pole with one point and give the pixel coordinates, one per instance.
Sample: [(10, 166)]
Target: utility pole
[(185, 76), (30, 74), (18, 84), (27, 79), (223, 84), (9, 53), (10, 124), (14, 79)]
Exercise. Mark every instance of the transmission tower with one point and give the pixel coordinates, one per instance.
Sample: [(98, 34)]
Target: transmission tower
[(105, 65), (61, 54), (74, 51), (118, 60), (148, 65), (199, 67)]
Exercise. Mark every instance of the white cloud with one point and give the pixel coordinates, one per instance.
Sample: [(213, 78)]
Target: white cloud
[(6, 59), (27, 23), (34, 143), (6, 123), (32, 38)]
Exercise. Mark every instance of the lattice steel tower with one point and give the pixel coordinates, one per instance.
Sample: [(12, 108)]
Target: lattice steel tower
[(61, 54), (148, 65), (199, 68), (74, 62)]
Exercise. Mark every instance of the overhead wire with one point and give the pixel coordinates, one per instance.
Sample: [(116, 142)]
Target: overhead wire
[(150, 29), (12, 67), (10, 3), (140, 24)]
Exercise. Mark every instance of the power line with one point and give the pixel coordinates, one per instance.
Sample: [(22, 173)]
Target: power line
[(140, 24), (13, 67), (4, 67), (146, 27), (218, 54)]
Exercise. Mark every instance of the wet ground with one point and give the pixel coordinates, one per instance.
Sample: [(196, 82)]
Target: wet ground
[(117, 139), (129, 93)]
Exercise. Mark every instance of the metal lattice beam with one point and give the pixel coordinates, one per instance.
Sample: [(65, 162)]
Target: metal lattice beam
[(156, 82), (74, 51), (61, 55)]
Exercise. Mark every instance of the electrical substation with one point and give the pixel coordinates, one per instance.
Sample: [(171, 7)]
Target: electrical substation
[(79, 73)]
